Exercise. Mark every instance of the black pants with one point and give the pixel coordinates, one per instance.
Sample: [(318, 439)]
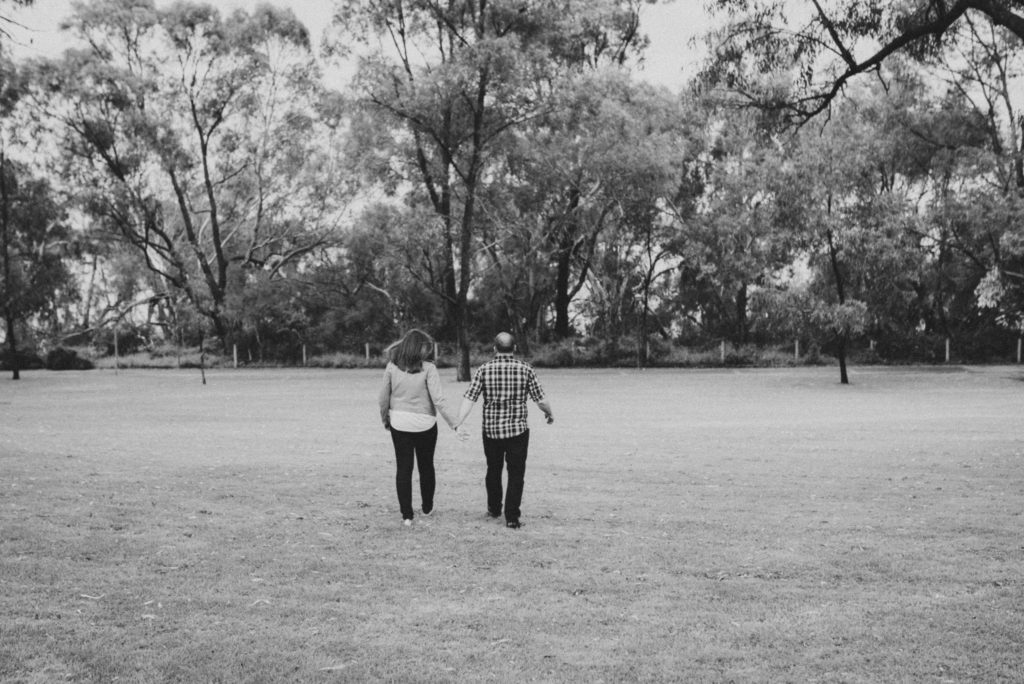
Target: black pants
[(499, 452), (418, 445)]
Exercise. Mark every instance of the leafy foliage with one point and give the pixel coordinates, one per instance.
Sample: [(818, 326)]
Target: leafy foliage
[(192, 135), (497, 165), (33, 242), (818, 47)]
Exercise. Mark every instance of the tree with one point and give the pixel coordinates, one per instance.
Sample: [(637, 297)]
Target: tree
[(612, 155), (5, 19), (571, 155), (824, 44), (33, 238), (797, 60), (825, 175), (736, 240), (455, 80), (873, 191), (982, 72), (198, 140), (364, 290), (116, 287), (576, 174)]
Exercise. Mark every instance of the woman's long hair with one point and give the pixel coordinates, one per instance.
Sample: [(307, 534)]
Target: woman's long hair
[(411, 351)]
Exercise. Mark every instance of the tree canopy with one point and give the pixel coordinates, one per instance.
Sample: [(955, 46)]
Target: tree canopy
[(843, 179), (821, 45)]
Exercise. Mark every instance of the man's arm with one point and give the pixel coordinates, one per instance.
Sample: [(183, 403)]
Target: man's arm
[(546, 408), (476, 388), (464, 410), (533, 388)]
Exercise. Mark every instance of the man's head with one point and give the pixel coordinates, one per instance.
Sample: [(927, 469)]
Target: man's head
[(504, 343)]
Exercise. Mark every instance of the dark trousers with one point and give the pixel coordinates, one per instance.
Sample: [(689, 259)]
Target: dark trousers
[(510, 451), (418, 446)]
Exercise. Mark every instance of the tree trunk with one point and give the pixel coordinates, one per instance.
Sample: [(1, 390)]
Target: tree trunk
[(562, 298), (641, 342), (462, 337), (841, 335), (523, 341), (520, 327), (563, 273), (463, 370), (215, 316), (844, 379), (87, 313), (5, 245), (468, 224), (1018, 160), (13, 347), (741, 315)]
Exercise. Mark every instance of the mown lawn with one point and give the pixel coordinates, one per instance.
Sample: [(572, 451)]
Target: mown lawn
[(748, 526)]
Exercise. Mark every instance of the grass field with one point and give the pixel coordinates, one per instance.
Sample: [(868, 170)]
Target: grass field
[(747, 526)]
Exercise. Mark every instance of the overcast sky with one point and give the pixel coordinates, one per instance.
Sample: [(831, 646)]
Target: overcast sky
[(670, 27)]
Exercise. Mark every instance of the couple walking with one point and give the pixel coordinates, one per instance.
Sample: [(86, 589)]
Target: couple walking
[(412, 396)]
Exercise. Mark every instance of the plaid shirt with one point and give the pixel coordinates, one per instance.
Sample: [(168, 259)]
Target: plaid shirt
[(506, 383)]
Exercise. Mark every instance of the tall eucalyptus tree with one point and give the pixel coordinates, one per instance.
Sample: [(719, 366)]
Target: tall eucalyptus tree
[(452, 81), (34, 239), (197, 139)]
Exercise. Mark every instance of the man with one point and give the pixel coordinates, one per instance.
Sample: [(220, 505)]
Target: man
[(505, 383)]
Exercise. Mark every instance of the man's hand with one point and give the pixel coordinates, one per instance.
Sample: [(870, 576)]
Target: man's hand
[(549, 415)]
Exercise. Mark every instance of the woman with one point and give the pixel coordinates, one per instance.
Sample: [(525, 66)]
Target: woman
[(409, 401)]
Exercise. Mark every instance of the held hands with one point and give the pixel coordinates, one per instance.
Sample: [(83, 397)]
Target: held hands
[(462, 433)]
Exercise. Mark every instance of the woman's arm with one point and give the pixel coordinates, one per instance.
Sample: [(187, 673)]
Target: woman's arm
[(384, 399), (437, 396)]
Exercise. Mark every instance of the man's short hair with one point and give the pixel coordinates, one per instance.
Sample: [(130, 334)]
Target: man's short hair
[(504, 343)]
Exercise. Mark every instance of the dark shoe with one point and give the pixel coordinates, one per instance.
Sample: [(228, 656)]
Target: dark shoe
[(513, 524), (428, 511), (494, 514)]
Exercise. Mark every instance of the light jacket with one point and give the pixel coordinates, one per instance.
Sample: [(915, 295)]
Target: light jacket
[(414, 393)]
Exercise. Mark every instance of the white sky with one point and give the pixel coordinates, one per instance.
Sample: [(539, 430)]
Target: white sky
[(670, 25)]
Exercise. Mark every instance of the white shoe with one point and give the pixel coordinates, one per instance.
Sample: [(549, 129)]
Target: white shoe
[(407, 522)]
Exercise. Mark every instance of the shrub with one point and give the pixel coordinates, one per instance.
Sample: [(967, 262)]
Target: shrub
[(342, 360), (130, 339), (26, 360), (163, 357), (865, 357), (560, 355), (62, 358)]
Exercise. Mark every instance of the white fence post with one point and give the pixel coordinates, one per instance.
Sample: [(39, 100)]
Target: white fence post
[(234, 354), (796, 350), (947, 350), (367, 351), (723, 351)]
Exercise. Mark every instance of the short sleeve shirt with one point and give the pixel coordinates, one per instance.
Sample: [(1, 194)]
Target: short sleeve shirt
[(505, 383)]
